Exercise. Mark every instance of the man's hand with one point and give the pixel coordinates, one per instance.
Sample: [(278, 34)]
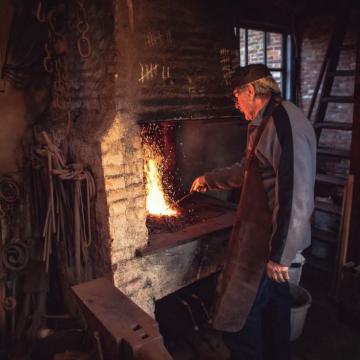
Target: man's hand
[(199, 185), (277, 272)]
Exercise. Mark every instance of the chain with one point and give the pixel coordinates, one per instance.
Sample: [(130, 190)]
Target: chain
[(55, 46), (48, 61), (55, 50), (83, 27), (61, 94)]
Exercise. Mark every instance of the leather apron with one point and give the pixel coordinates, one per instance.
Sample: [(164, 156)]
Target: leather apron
[(249, 246)]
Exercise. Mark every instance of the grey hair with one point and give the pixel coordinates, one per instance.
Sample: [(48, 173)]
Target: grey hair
[(266, 86)]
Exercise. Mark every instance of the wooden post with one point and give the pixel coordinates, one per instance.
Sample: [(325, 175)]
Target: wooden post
[(354, 244), (343, 243)]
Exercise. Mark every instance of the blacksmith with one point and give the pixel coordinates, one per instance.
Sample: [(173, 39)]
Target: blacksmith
[(273, 217)]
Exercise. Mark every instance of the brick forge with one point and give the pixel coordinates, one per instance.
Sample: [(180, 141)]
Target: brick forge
[(154, 275)]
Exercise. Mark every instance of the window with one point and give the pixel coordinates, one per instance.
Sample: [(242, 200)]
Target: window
[(270, 48)]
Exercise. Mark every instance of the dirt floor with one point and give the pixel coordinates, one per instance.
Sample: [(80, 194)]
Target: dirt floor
[(325, 337)]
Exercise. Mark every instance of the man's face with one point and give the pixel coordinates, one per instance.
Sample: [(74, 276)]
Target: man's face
[(244, 101)]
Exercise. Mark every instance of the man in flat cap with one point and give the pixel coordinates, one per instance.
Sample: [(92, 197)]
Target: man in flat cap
[(272, 222)]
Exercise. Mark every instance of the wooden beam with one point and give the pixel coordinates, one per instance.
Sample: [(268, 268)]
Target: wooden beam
[(355, 142)]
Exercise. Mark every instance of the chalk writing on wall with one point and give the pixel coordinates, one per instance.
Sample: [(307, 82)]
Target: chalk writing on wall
[(153, 71), (158, 39), (229, 59)]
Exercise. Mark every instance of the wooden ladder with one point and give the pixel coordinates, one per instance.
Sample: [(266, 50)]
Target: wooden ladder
[(328, 182)]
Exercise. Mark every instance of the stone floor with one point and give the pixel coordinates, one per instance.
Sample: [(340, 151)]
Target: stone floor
[(325, 337)]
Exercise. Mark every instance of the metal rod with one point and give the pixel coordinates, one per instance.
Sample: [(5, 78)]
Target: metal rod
[(200, 301), (183, 198), (246, 47), (265, 46), (226, 119), (190, 312)]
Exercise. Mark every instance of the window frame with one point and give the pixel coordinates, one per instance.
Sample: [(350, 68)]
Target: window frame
[(286, 54)]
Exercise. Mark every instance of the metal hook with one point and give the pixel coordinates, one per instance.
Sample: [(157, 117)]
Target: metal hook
[(41, 18), (84, 47)]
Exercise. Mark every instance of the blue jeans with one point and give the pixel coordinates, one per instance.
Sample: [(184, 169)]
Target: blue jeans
[(266, 333)]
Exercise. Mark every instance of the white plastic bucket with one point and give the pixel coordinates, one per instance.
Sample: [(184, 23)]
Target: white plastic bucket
[(300, 303)]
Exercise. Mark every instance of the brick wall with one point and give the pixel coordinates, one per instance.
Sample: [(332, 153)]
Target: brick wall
[(256, 46)]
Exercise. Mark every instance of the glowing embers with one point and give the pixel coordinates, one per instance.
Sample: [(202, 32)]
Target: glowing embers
[(157, 203)]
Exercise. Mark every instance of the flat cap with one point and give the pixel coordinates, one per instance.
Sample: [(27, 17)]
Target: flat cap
[(247, 74)]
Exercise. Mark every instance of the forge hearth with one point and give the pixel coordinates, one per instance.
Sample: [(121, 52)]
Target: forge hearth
[(199, 215)]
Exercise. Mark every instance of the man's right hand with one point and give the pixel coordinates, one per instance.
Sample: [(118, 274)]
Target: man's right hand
[(199, 185), (277, 272)]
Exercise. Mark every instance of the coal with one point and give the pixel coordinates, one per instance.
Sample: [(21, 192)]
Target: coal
[(157, 224), (192, 212)]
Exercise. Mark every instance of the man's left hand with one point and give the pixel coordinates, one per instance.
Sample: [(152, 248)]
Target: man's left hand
[(199, 185), (277, 272)]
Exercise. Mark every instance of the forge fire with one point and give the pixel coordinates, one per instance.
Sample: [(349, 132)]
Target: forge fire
[(159, 173), (157, 203)]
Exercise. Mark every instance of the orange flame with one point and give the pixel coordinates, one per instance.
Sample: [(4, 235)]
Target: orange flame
[(156, 202)]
